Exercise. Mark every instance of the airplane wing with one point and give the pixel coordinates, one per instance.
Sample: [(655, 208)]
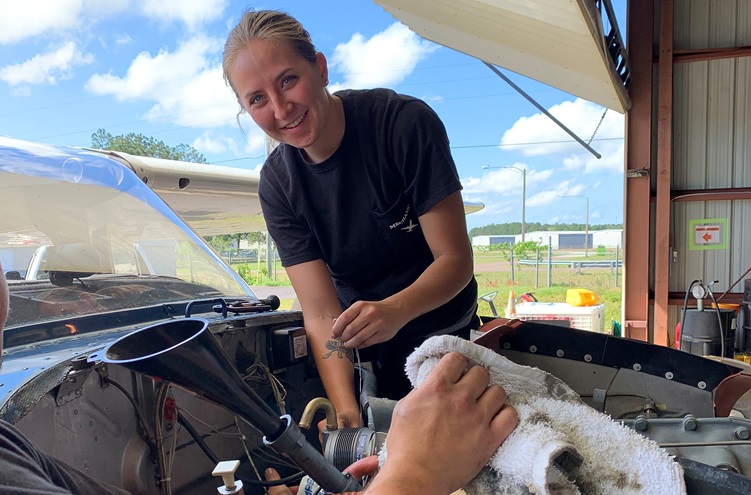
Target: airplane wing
[(560, 43), (472, 207), (213, 199)]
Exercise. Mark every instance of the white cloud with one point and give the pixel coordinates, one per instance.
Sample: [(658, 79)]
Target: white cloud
[(192, 12), (211, 142), (21, 20), (256, 140), (386, 59), (186, 84), (27, 18), (504, 180), (554, 194), (582, 117), (99, 9), (123, 39), (46, 67)]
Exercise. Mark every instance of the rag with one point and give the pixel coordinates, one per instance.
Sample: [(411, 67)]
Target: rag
[(561, 445)]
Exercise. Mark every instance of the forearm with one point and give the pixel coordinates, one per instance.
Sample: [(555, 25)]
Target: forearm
[(320, 307), (334, 362)]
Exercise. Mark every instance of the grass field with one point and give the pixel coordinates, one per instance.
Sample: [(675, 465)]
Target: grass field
[(493, 272)]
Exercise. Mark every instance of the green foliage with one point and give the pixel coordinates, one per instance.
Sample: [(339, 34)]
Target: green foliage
[(245, 271), (259, 237), (138, 144), (527, 250), (514, 228), (222, 242)]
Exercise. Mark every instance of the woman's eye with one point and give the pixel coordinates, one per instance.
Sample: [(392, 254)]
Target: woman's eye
[(255, 99), (288, 80)]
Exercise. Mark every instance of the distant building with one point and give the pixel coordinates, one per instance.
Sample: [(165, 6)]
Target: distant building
[(565, 239), (491, 240)]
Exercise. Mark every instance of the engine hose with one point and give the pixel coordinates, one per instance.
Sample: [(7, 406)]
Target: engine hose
[(719, 321), (198, 439), (685, 310)]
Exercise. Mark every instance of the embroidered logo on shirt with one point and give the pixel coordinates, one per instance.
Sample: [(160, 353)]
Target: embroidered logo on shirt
[(404, 219), (411, 226)]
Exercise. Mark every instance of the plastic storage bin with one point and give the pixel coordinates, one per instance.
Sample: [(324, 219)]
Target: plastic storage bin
[(590, 318)]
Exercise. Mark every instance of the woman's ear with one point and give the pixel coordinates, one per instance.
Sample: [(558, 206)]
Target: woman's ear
[(323, 67)]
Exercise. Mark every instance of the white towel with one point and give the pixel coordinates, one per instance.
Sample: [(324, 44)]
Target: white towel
[(561, 446)]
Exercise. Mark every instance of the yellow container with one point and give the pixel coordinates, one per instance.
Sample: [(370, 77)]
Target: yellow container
[(581, 297)]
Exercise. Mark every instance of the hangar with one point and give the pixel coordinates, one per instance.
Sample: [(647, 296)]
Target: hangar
[(681, 72)]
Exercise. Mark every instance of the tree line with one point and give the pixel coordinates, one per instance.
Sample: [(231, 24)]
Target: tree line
[(514, 228)]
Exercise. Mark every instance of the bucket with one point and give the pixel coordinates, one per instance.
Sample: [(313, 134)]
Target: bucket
[(701, 332)]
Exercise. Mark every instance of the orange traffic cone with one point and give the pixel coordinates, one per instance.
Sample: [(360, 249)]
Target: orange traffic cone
[(511, 307)]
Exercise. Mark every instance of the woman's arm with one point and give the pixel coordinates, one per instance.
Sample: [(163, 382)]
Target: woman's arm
[(320, 306), (369, 322)]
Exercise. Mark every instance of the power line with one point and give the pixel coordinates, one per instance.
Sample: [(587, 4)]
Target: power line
[(469, 146)]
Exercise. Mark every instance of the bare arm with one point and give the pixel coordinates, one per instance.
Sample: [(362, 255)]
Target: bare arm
[(370, 322), (320, 306)]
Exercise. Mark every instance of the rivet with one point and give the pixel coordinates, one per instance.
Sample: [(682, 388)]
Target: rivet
[(637, 367), (742, 433), (559, 353), (507, 345), (533, 349), (702, 385), (588, 358), (669, 375)]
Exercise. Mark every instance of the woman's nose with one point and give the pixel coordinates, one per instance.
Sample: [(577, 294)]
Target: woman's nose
[(282, 107)]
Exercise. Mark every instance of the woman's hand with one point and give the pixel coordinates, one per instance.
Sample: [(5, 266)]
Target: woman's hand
[(366, 323), (344, 419)]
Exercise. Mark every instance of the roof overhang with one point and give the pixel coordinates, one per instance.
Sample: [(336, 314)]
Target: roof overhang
[(557, 42)]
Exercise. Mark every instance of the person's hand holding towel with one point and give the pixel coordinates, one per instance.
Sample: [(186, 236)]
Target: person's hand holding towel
[(446, 429)]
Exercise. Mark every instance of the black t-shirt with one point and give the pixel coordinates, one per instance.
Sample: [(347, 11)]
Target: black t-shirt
[(358, 210)]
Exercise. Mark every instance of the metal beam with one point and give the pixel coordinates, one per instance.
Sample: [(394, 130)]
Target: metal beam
[(638, 164), (664, 160), (718, 194), (543, 110), (704, 54)]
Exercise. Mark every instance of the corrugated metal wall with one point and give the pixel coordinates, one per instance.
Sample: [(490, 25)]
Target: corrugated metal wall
[(711, 140)]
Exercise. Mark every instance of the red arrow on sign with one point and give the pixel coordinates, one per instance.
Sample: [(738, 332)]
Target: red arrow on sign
[(707, 237)]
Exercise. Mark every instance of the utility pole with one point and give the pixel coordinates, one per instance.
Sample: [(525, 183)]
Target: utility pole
[(522, 171), (586, 221)]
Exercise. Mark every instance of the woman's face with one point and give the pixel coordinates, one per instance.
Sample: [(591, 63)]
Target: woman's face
[(282, 92)]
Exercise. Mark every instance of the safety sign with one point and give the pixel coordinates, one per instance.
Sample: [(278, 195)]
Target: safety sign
[(709, 233)]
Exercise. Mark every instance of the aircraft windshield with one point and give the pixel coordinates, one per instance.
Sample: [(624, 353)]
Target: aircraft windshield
[(82, 235)]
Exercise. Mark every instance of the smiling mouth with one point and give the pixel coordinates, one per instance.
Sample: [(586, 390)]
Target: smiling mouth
[(296, 122)]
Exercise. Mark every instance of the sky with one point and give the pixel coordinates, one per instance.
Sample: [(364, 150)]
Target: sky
[(70, 67)]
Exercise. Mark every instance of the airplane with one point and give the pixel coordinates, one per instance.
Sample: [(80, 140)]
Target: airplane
[(125, 328)]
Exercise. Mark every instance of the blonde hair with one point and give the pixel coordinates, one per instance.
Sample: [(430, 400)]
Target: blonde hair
[(268, 25)]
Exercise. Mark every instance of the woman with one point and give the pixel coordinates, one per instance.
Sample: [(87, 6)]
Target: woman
[(363, 200)]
